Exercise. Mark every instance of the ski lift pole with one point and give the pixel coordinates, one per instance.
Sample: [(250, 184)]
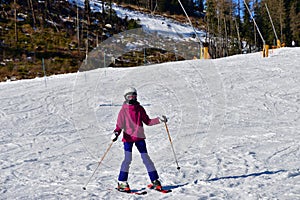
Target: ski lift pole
[(200, 43), (172, 145), (265, 47), (255, 23)]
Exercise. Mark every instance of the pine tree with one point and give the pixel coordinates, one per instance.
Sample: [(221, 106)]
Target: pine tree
[(282, 16), (211, 18), (162, 5), (294, 23), (199, 5)]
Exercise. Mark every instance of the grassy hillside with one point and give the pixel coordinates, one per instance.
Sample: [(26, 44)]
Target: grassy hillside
[(48, 31)]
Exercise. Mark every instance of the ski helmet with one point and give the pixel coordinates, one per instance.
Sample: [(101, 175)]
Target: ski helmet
[(129, 93)]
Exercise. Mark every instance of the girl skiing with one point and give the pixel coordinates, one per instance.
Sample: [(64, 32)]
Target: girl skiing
[(130, 119)]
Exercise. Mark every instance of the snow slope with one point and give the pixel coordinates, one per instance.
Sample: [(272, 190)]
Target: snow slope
[(150, 23), (234, 123)]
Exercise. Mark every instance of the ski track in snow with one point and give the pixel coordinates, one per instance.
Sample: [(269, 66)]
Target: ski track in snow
[(235, 133)]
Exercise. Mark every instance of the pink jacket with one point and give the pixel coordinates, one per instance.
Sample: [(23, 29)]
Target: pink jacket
[(131, 119)]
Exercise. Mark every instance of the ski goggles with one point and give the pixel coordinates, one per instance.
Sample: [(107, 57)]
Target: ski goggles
[(131, 96)]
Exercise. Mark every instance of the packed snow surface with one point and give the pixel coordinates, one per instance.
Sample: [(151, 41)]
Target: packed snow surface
[(234, 124)]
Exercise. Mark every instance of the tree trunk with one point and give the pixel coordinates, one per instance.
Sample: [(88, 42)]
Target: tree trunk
[(15, 16), (103, 8), (238, 34), (33, 15), (78, 34), (226, 37), (110, 10)]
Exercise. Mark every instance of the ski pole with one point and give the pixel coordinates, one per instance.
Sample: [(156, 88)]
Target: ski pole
[(84, 188), (172, 145)]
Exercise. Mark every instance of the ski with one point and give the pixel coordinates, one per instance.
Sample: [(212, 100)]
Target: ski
[(133, 192), (150, 186)]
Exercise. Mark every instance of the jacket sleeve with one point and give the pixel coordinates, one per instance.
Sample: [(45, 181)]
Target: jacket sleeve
[(120, 122), (145, 118)]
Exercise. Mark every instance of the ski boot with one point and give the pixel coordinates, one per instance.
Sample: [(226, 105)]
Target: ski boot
[(156, 185), (123, 186)]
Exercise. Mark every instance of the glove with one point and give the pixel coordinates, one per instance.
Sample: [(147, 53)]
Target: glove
[(114, 136), (163, 119)]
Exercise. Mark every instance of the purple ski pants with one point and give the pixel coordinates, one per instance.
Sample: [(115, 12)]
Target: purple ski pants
[(141, 146)]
